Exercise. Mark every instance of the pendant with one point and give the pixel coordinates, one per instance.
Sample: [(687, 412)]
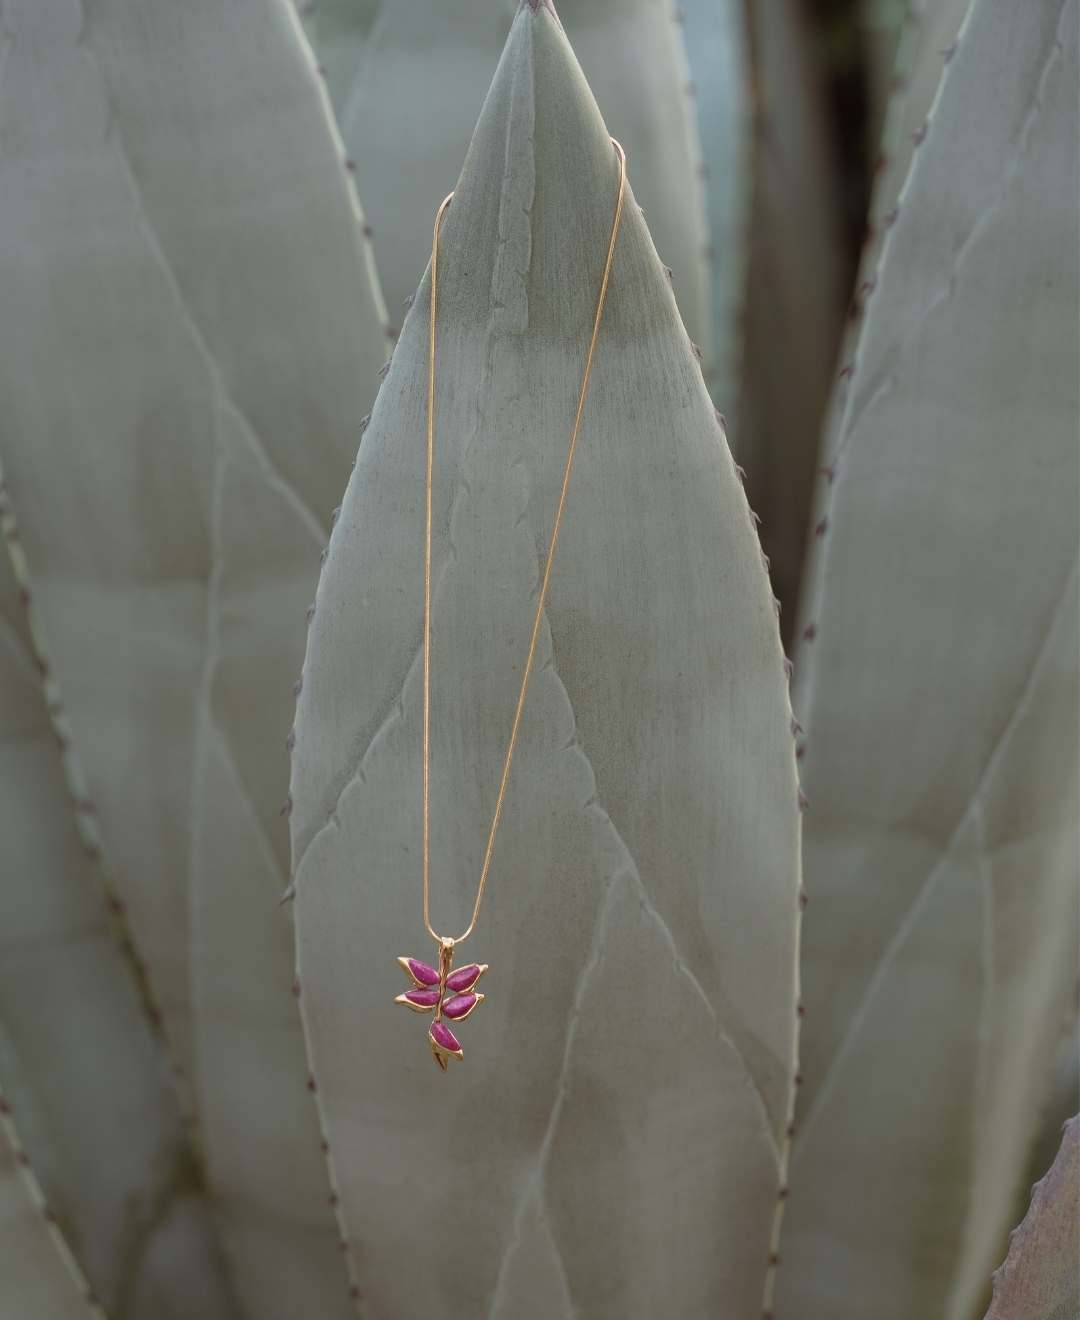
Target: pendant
[(449, 994)]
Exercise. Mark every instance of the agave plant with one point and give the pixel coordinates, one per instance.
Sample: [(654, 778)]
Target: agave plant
[(969, 919), (213, 504)]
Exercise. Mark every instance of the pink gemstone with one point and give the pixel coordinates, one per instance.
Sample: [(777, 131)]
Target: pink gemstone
[(423, 998), (459, 1006), (441, 1034), (463, 979), (423, 973)]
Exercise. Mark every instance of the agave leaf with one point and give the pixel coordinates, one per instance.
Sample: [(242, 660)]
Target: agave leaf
[(78, 1059), (937, 681), (179, 248), (1040, 1279), (884, 26), (407, 149), (38, 1275), (908, 43), (925, 43), (337, 30), (637, 1043), (796, 287), (716, 44), (634, 57)]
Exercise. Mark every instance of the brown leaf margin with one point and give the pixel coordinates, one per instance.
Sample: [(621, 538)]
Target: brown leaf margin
[(1040, 1279)]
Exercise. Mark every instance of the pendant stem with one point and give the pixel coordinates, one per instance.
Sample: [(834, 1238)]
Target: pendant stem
[(446, 958)]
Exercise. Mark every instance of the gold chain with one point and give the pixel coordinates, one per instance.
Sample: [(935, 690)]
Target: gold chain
[(497, 816)]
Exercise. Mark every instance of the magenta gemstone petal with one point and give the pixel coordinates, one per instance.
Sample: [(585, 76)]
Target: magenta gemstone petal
[(423, 998), (441, 1034), (422, 972), (459, 1006), (463, 979)]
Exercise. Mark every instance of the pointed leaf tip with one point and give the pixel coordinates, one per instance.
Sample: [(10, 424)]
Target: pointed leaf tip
[(459, 1007), (465, 977), (444, 1038), (420, 972), (421, 1001)]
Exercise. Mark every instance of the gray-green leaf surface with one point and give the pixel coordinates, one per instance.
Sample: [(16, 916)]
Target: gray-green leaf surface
[(190, 335), (408, 149), (937, 680), (614, 1141), (38, 1277), (78, 1060), (716, 45)]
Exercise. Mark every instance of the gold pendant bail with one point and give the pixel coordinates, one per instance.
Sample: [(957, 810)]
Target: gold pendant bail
[(446, 957)]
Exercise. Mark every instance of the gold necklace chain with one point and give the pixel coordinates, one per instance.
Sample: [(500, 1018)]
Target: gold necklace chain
[(508, 760)]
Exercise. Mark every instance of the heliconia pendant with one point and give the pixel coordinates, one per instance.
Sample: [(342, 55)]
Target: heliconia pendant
[(449, 994)]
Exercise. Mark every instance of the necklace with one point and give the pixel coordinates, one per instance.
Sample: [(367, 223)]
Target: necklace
[(451, 994)]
